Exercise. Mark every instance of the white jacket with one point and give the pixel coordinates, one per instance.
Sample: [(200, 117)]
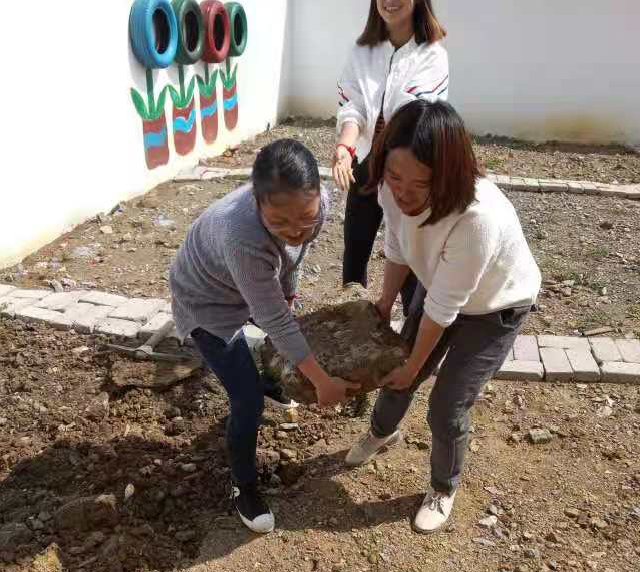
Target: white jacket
[(475, 262), (402, 75)]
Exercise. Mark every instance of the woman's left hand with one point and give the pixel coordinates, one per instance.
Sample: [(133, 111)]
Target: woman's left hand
[(400, 378)]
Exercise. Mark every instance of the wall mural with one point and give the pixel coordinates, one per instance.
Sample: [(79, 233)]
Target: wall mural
[(183, 32)]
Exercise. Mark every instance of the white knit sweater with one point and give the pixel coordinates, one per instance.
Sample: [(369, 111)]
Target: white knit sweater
[(476, 262), (412, 71)]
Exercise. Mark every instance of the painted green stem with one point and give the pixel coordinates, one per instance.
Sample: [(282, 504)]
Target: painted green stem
[(150, 93), (181, 78)]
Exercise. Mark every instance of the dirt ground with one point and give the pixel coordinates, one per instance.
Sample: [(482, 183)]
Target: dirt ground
[(107, 479), (587, 247), (67, 436), (553, 160)]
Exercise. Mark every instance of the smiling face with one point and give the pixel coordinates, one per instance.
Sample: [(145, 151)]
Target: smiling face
[(396, 13), (292, 217), (409, 181)]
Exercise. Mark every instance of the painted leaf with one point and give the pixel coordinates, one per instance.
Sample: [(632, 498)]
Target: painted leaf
[(162, 98), (175, 96), (139, 104), (189, 97)]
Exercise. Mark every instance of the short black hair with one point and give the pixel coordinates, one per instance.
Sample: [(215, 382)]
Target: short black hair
[(285, 166)]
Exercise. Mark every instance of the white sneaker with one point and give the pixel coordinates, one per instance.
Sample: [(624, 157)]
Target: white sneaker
[(434, 512), (368, 446)]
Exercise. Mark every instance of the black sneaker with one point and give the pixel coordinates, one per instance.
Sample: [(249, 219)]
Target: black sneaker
[(275, 396), (253, 510)]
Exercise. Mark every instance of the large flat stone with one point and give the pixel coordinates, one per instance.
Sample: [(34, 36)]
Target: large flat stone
[(604, 349), (556, 364), (553, 185), (9, 306), (103, 299), (84, 316), (563, 342), (621, 372), (59, 301), (30, 294), (54, 319), (5, 290), (118, 328), (138, 309), (154, 325), (584, 365), (629, 350), (519, 370), (525, 348)]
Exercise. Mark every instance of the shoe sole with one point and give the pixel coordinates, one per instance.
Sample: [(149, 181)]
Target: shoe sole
[(380, 451), (248, 525), (281, 406), (426, 532)]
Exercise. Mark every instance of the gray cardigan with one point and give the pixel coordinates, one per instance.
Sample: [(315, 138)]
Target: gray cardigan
[(230, 268)]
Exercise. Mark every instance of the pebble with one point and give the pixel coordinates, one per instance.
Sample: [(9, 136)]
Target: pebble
[(189, 467), (493, 509), (3, 421), (532, 553), (604, 412), (79, 350), (106, 229), (572, 512), (488, 522), (288, 426), (129, 491), (598, 523), (540, 436), (288, 454), (484, 542)]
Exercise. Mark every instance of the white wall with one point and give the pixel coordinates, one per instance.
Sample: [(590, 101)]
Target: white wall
[(72, 142), (567, 70)]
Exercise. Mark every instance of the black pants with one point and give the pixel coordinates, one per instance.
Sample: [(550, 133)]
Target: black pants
[(362, 220)]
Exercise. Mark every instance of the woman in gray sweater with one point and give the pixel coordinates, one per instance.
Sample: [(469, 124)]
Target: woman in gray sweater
[(240, 261)]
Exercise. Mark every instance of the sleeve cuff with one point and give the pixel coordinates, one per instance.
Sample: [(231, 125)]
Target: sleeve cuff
[(441, 315)]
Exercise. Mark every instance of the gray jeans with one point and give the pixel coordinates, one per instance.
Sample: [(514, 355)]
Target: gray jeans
[(475, 349)]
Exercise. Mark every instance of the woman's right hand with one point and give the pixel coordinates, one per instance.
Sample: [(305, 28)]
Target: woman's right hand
[(334, 391), (342, 171)]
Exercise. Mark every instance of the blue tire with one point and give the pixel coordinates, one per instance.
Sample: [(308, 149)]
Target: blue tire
[(153, 31)]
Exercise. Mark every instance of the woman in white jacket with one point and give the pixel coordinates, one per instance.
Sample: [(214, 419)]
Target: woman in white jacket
[(397, 59)]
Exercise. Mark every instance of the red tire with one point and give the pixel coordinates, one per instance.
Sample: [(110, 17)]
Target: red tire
[(217, 30)]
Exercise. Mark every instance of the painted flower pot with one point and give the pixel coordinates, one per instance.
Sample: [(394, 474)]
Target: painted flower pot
[(230, 97), (209, 113), (156, 142), (184, 128)]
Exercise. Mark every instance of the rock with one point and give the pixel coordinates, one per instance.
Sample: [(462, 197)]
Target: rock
[(289, 426), (489, 522), (189, 467), (288, 454), (540, 436), (56, 285), (267, 460), (553, 537), (48, 561), (172, 412), (106, 229), (604, 411), (129, 491), (35, 524), (87, 513), (350, 341), (493, 509), (598, 523), (3, 421), (291, 415), (484, 542), (14, 534), (532, 553), (175, 427), (44, 516), (79, 350), (98, 408), (186, 535), (290, 474), (572, 512)]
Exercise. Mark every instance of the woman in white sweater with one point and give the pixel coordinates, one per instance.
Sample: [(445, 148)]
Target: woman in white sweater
[(397, 59), (462, 238)]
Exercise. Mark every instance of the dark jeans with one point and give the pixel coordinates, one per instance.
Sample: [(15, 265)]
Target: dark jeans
[(362, 220), (475, 349), (234, 366)]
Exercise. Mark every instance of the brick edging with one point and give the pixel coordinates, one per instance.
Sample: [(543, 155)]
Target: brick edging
[(505, 182), (532, 358)]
